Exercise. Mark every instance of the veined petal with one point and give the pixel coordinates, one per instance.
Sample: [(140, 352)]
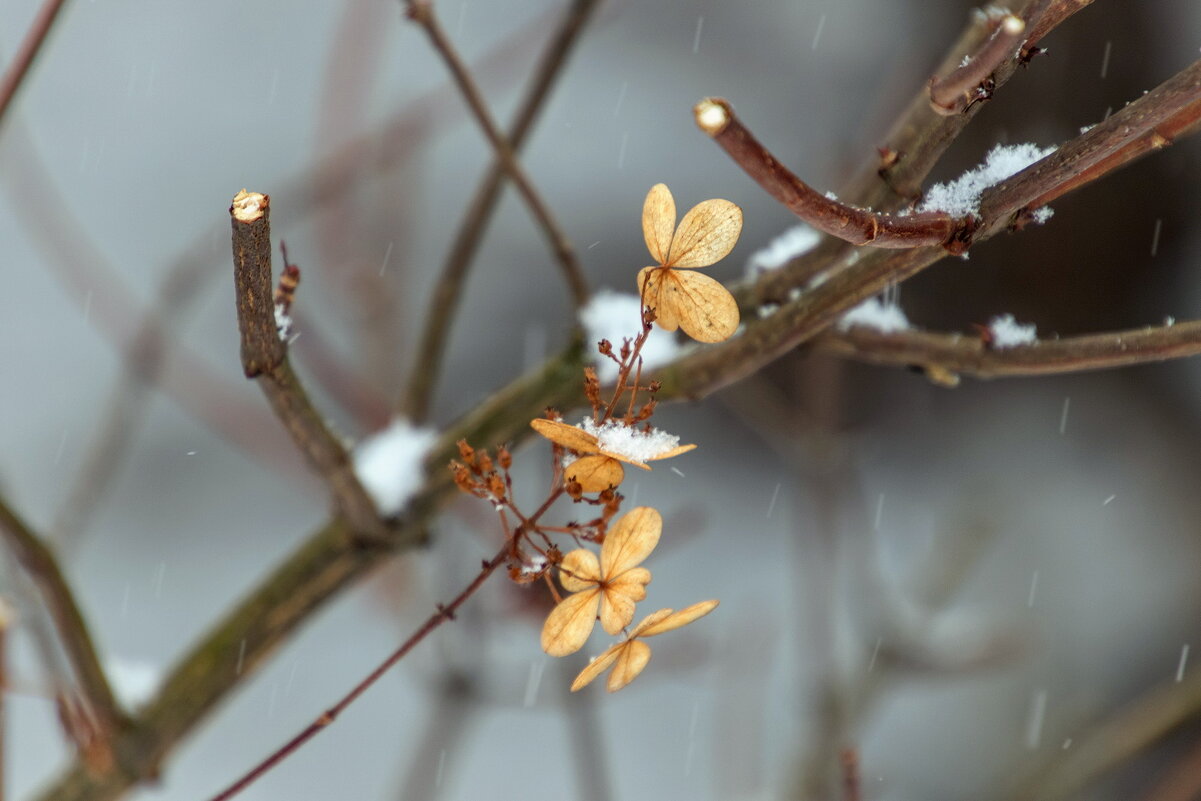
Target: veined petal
[(567, 436), (625, 459), (630, 662), (619, 597), (706, 235), (651, 281), (570, 622), (648, 621), (597, 666), (658, 221), (676, 619), (676, 451), (630, 541), (704, 308), (579, 570), (596, 472)]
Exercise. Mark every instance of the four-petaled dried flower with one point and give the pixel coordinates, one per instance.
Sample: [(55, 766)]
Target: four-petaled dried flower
[(613, 585), (630, 656), (681, 298), (605, 447)]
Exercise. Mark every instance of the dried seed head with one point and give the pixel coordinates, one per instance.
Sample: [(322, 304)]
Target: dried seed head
[(466, 452), (504, 457), (496, 486), (574, 490), (483, 463)]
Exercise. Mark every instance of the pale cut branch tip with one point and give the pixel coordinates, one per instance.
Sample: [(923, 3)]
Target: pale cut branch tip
[(712, 115), (249, 206)]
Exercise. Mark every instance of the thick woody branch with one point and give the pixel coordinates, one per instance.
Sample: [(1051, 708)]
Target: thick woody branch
[(264, 357), (448, 290), (959, 354), (39, 563), (858, 226)]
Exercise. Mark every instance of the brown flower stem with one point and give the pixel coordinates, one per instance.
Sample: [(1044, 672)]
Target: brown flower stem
[(969, 355), (855, 225), (955, 91), (422, 12), (264, 357), (445, 612), (31, 45), (39, 563), (448, 290)]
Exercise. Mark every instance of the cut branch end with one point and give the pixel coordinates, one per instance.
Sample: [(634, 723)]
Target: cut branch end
[(712, 115)]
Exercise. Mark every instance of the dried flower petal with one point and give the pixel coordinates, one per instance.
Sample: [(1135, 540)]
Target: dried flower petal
[(579, 570), (649, 627), (595, 472), (566, 436), (706, 235), (659, 221), (630, 541), (630, 662), (570, 622)]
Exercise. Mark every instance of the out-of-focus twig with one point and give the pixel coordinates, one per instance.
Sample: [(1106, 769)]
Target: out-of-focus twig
[(41, 566), (422, 12), (35, 37), (449, 288)]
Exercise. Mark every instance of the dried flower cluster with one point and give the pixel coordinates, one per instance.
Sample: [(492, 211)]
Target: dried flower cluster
[(588, 458)]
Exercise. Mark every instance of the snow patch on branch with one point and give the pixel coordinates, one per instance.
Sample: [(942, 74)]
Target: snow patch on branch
[(794, 242), (390, 464), (1009, 333), (874, 313), (962, 196)]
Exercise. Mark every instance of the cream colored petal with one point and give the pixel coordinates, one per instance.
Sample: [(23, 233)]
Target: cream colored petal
[(706, 235), (625, 459), (619, 597), (597, 666), (676, 451), (630, 540), (567, 436), (650, 620), (676, 619), (570, 622), (595, 473), (630, 662), (705, 309), (579, 570), (651, 281), (658, 221)]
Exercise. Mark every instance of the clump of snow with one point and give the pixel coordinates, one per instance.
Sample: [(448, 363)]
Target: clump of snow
[(389, 464), (133, 680), (796, 241), (1008, 333), (886, 318), (1041, 215), (962, 196), (616, 316), (630, 441)]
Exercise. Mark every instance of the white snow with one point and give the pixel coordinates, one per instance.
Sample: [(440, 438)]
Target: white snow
[(1041, 215), (616, 316), (1008, 333), (630, 441), (389, 464), (962, 196), (283, 322), (874, 313), (134, 681), (796, 241)]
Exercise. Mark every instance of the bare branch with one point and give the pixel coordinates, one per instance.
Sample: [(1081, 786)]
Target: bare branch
[(35, 37), (858, 226), (422, 12), (968, 355), (264, 356), (39, 562), (959, 89), (448, 290)]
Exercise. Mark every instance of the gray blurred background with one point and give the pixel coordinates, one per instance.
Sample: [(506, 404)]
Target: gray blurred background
[(968, 585)]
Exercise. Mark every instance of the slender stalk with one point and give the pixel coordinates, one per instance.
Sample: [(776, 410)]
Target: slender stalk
[(327, 717), (35, 37), (422, 12), (967, 355), (264, 357), (41, 566), (448, 290)]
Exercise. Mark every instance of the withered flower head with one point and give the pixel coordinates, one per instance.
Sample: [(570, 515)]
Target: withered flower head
[(681, 298)]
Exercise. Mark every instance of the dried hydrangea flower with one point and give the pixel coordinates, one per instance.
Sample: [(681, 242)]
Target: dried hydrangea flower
[(630, 656), (680, 297), (611, 586), (603, 448)]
